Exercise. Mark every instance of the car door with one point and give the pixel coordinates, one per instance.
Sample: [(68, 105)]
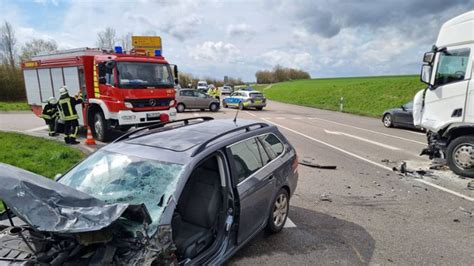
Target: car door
[(406, 114), (254, 185), (185, 96), (202, 100)]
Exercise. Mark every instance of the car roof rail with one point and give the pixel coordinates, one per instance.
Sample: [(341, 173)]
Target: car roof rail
[(247, 128), (161, 124)]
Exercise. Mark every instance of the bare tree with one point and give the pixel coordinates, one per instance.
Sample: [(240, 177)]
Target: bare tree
[(126, 41), (106, 39), (8, 43), (36, 47)]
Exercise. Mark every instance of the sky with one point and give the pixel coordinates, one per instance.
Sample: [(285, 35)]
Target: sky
[(213, 38)]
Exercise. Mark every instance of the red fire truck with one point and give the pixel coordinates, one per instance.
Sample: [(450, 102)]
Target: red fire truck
[(119, 89)]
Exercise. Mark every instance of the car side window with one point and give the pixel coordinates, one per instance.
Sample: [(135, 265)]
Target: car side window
[(273, 145), (452, 66), (186, 93), (247, 158)]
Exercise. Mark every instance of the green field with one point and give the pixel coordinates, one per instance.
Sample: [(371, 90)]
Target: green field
[(368, 96), (14, 106), (38, 155)]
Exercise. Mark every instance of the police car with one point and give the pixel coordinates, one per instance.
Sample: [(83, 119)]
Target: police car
[(245, 99)]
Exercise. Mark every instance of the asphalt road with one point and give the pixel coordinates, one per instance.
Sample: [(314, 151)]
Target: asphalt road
[(374, 215)]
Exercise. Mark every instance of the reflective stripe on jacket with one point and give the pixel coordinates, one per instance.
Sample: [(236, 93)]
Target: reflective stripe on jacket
[(67, 109), (50, 111)]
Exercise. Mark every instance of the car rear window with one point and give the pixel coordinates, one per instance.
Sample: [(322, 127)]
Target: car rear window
[(272, 144), (256, 95)]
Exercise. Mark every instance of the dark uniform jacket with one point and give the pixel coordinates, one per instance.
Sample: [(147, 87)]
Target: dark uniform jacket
[(50, 111), (67, 107)]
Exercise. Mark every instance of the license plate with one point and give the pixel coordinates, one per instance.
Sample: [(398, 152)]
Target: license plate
[(153, 115)]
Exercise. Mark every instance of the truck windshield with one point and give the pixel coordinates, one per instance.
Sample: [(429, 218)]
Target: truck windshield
[(121, 178), (144, 74)]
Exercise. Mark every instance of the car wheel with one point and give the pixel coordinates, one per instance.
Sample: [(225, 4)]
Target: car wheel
[(214, 107), (387, 120), (279, 212), (180, 108), (241, 106), (460, 156), (100, 128)]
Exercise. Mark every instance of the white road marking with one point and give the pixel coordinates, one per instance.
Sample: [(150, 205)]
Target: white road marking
[(362, 139), (373, 163), (372, 131), (281, 118), (297, 118), (36, 129), (289, 223), (247, 112), (416, 133)]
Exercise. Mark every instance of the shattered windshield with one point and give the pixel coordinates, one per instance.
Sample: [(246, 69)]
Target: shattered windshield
[(120, 178), (142, 74)]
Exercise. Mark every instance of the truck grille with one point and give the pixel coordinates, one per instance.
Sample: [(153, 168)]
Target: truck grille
[(150, 103)]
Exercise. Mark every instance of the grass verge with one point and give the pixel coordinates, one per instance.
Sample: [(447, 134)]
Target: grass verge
[(14, 106), (38, 155), (368, 96)]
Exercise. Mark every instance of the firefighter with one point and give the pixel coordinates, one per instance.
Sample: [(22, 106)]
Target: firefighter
[(50, 115), (67, 112)]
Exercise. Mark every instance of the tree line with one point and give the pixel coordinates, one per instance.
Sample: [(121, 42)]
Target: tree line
[(187, 80), (280, 74)]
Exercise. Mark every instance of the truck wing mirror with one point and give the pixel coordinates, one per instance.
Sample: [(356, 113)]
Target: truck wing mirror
[(175, 70), (428, 57), (426, 74)]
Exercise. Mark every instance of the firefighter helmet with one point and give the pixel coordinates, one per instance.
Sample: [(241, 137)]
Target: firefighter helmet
[(63, 90), (52, 100)]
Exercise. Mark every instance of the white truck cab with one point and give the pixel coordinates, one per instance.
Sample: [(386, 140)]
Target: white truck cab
[(446, 107)]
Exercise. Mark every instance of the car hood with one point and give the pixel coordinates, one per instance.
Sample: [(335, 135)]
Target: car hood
[(53, 207)]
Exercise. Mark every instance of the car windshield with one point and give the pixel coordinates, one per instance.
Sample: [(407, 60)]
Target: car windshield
[(120, 178), (143, 74)]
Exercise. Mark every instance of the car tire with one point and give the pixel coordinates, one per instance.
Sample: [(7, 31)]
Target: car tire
[(100, 127), (241, 106), (180, 108), (387, 120), (214, 107), (460, 156), (278, 212)]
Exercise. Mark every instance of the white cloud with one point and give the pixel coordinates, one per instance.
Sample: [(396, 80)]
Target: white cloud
[(216, 52), (300, 60), (242, 29)]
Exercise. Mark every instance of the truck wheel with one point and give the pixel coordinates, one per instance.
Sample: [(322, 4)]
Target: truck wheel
[(214, 107), (180, 108), (460, 156), (387, 120), (100, 128)]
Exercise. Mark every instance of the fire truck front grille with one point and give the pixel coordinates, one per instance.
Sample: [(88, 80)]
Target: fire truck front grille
[(147, 103)]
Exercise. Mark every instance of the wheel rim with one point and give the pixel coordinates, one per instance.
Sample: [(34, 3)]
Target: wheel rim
[(463, 156), (213, 107), (387, 120), (98, 127), (280, 210)]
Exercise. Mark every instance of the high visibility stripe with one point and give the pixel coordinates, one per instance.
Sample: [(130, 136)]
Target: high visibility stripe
[(76, 128), (96, 82)]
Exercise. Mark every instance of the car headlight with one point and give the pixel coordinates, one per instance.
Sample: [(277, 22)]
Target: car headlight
[(128, 105)]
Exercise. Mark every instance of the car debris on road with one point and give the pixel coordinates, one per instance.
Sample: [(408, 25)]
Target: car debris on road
[(310, 162)]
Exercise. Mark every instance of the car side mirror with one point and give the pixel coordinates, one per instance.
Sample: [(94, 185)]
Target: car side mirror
[(428, 57), (426, 74), (57, 177)]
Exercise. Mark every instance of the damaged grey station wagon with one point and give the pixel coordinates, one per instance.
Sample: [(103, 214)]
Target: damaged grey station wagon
[(192, 191)]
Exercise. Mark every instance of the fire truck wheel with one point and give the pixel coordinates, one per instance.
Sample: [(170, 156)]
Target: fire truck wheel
[(180, 107), (460, 156), (214, 107), (100, 128)]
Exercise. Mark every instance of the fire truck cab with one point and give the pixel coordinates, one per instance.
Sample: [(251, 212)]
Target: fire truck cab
[(120, 90)]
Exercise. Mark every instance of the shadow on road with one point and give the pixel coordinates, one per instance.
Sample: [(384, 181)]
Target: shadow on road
[(318, 238)]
